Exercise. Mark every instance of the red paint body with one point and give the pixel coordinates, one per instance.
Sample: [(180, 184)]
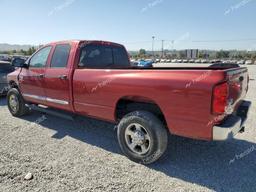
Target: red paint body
[(183, 95)]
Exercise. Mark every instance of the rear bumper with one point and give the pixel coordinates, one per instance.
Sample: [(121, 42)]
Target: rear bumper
[(233, 124)]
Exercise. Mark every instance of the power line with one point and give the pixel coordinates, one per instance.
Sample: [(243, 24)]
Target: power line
[(194, 41), (223, 40)]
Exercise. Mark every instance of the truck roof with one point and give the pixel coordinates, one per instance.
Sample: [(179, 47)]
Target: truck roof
[(81, 41)]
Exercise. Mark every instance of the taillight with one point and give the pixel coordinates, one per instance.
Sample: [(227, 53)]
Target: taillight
[(220, 98)]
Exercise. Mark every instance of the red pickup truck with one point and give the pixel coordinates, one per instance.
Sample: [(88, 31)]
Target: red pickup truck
[(96, 79)]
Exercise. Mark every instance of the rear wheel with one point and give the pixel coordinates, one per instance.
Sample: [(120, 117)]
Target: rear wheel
[(142, 137), (16, 103)]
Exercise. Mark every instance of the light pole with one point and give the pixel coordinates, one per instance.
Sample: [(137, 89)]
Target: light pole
[(153, 39), (162, 48)]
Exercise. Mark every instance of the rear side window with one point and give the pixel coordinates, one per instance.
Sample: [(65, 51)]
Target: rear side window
[(60, 56), (120, 57), (103, 56), (96, 56), (6, 68)]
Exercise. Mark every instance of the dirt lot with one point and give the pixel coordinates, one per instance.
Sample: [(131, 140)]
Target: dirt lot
[(84, 156)]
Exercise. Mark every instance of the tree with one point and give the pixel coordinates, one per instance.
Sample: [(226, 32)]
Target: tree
[(142, 52), (200, 55), (253, 56), (30, 51), (222, 54)]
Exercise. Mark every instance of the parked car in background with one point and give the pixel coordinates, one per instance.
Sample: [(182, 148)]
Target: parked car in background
[(226, 61), (234, 61), (163, 61), (241, 62), (134, 63), (215, 61), (174, 60), (20, 57), (5, 69), (204, 61), (157, 60), (4, 57), (248, 62), (145, 63), (191, 61), (185, 61)]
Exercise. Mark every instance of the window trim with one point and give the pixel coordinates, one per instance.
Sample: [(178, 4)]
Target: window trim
[(29, 66), (50, 66)]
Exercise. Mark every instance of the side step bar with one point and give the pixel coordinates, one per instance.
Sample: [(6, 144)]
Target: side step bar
[(44, 109)]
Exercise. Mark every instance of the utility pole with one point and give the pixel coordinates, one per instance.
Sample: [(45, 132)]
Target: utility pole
[(172, 46), (162, 48), (153, 39)]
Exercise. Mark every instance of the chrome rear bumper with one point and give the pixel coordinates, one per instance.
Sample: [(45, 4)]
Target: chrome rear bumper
[(233, 124)]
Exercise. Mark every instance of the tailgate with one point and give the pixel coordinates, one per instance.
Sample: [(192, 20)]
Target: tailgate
[(238, 80)]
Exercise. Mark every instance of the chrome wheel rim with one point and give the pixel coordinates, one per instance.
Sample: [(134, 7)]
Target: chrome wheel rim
[(137, 139), (14, 103)]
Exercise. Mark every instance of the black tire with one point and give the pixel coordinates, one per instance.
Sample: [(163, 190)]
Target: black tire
[(22, 109), (154, 129)]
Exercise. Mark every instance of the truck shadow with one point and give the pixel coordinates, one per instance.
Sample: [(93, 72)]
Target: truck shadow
[(226, 166)]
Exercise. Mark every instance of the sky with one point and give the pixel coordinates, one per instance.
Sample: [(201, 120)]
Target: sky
[(202, 24)]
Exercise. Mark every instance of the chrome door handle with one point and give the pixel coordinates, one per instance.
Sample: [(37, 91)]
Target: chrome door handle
[(40, 76), (63, 77)]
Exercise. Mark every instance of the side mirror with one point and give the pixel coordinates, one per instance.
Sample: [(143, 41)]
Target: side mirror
[(18, 62)]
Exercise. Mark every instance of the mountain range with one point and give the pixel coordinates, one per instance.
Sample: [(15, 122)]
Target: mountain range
[(9, 47)]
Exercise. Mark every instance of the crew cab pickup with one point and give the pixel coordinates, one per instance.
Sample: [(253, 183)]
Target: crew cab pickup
[(96, 79)]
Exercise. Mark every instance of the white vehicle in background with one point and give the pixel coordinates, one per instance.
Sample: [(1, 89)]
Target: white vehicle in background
[(179, 61), (174, 60), (198, 61), (204, 61), (168, 61), (157, 60), (162, 60), (234, 61), (248, 62), (185, 61), (191, 61), (241, 62), (226, 61)]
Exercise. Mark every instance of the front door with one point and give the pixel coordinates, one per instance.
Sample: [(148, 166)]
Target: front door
[(32, 79)]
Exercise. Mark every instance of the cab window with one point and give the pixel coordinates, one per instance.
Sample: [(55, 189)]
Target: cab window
[(60, 56), (39, 60)]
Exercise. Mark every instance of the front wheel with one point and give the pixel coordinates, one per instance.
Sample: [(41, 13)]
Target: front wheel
[(142, 137), (16, 103)]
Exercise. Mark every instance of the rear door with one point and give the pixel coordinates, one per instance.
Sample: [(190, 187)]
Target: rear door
[(57, 78), (32, 79), (98, 64)]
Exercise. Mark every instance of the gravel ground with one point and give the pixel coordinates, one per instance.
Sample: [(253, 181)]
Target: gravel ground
[(84, 156)]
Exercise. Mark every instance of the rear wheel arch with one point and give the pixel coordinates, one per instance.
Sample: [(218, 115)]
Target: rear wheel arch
[(129, 104)]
